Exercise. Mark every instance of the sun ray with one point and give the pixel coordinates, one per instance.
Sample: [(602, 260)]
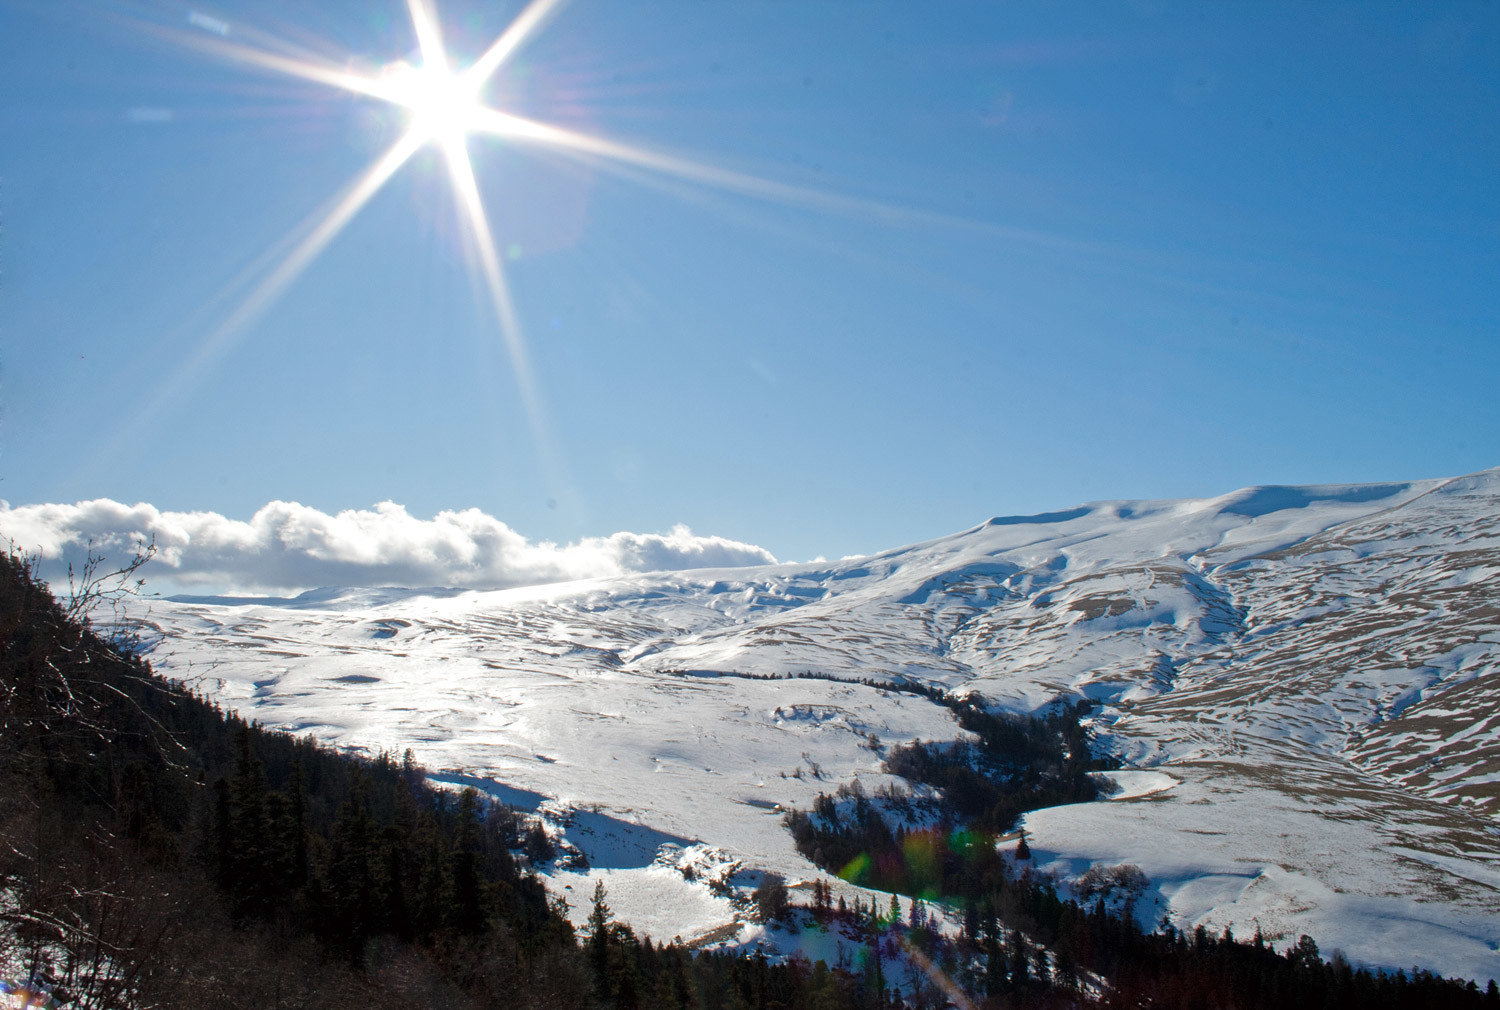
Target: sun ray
[(355, 197), (315, 238), (520, 29), (467, 188), (429, 36), (512, 127), (316, 233), (483, 242), (307, 70)]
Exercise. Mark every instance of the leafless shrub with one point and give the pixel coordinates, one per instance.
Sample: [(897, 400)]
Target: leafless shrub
[(1126, 879)]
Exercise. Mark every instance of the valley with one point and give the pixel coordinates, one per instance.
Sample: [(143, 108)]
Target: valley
[(1312, 673)]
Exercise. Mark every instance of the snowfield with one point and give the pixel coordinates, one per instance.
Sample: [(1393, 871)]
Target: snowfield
[(1303, 682)]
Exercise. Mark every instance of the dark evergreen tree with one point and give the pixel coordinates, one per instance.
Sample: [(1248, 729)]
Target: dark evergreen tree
[(433, 885), (295, 838), (598, 939), (771, 898), (352, 905), (467, 905), (223, 845)]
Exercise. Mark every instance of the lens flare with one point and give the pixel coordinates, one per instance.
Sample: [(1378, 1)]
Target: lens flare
[(854, 870)]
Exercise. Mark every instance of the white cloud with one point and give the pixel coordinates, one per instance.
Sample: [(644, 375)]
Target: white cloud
[(287, 547)]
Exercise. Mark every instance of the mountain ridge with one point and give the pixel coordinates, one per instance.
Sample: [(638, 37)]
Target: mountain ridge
[(1308, 664)]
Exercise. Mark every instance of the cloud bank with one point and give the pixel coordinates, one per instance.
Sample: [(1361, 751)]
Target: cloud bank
[(286, 547)]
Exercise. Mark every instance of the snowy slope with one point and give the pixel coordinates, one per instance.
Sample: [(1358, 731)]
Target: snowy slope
[(1314, 667)]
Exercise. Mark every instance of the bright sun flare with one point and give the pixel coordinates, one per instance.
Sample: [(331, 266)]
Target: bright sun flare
[(444, 105), (445, 109)]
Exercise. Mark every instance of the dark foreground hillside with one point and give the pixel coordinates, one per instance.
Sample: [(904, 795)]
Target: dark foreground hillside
[(158, 852)]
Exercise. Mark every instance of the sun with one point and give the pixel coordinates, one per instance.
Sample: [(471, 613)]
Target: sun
[(444, 106)]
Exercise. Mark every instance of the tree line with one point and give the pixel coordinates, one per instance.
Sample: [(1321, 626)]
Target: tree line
[(1021, 943), (157, 851)]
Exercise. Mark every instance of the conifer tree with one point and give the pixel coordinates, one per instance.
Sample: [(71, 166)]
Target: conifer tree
[(432, 878), (351, 906), (1019, 960), (970, 928), (297, 825), (395, 885), (1040, 965), (252, 861), (995, 967), (771, 898), (468, 904), (223, 846), (598, 949)]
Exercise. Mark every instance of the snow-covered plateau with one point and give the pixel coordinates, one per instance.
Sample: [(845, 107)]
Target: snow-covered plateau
[(1303, 684)]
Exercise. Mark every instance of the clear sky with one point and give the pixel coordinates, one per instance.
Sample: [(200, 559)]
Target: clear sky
[(973, 259)]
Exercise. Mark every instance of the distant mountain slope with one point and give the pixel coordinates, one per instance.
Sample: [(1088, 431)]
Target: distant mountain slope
[(1318, 667), (1376, 640)]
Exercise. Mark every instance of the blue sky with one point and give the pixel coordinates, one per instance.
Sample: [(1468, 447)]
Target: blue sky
[(1062, 252)]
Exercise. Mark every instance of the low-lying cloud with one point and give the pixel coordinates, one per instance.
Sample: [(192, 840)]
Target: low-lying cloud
[(287, 547)]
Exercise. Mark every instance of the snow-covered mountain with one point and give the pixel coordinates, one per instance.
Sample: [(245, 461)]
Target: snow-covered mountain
[(1305, 680)]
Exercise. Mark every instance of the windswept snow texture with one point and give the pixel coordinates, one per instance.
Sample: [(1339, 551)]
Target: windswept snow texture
[(1305, 678)]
